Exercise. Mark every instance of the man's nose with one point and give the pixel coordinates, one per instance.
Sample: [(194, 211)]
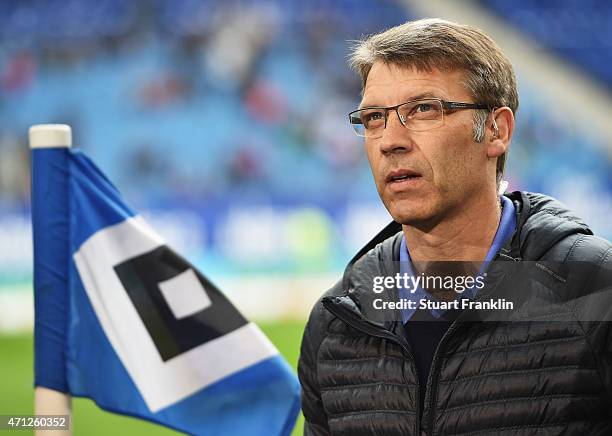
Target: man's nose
[(396, 137)]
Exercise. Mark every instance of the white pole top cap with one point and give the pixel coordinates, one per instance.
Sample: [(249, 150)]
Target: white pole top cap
[(50, 135)]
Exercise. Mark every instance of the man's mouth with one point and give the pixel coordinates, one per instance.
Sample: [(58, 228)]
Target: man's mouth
[(403, 181), (401, 176)]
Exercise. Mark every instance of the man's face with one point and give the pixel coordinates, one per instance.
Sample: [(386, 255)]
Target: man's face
[(449, 165)]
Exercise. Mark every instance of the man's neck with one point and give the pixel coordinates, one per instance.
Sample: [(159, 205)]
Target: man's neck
[(466, 235)]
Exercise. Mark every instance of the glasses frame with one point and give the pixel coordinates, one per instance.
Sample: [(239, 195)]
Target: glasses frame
[(446, 106)]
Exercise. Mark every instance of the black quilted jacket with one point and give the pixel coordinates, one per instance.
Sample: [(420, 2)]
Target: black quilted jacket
[(545, 374)]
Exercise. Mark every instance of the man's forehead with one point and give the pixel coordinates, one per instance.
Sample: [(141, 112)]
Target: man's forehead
[(387, 81)]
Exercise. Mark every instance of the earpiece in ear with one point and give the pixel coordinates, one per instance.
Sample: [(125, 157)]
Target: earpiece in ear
[(495, 130)]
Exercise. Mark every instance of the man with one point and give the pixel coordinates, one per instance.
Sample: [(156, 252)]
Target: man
[(437, 117)]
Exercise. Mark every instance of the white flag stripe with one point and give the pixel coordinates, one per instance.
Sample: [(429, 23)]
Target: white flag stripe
[(160, 383)]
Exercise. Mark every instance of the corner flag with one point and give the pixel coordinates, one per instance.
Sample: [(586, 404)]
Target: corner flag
[(123, 319)]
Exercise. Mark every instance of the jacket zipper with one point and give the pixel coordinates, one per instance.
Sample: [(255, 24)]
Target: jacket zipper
[(433, 372), (432, 379), (369, 329)]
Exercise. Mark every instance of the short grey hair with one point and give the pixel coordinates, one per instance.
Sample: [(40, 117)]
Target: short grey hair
[(436, 43)]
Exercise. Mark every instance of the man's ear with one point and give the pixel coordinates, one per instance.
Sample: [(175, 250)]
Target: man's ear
[(498, 131)]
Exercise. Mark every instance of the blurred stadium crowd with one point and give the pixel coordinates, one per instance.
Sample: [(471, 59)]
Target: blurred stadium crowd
[(227, 120), (580, 30)]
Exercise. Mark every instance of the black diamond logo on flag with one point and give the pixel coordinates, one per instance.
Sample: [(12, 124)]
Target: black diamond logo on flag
[(179, 307)]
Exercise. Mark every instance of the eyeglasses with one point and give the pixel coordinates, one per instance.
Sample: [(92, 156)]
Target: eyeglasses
[(416, 115)]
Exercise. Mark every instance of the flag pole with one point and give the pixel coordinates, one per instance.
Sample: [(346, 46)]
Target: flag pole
[(48, 401)]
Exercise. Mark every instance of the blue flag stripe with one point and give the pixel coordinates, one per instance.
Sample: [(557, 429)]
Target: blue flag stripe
[(50, 230)]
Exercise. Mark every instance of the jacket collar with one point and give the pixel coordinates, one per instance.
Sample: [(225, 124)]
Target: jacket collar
[(541, 221)]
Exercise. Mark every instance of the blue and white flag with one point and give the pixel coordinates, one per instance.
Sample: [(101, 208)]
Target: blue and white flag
[(123, 319)]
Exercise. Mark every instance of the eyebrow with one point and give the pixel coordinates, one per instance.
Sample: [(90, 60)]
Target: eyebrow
[(427, 94)]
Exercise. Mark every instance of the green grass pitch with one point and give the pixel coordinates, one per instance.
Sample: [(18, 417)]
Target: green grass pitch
[(17, 394)]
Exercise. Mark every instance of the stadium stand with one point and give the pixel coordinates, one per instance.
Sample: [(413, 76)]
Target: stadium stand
[(237, 111)]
